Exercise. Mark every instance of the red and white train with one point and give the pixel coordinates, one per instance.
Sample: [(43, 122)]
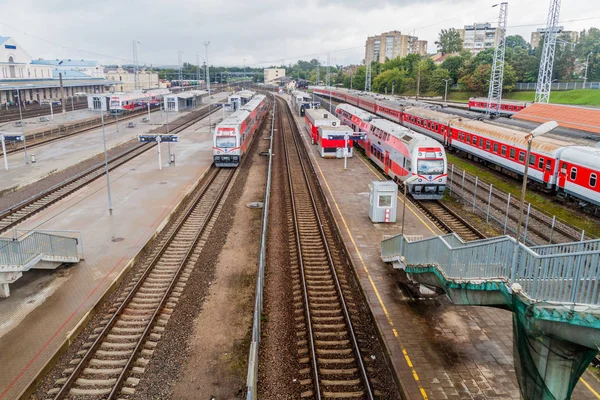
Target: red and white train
[(121, 102), (400, 152), (232, 137), (507, 107), (327, 132), (556, 165)]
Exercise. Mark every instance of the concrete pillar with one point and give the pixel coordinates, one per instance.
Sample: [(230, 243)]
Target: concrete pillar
[(4, 292), (547, 368)]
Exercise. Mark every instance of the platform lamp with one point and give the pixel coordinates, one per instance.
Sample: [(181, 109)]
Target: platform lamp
[(539, 131), (405, 184), (22, 126)]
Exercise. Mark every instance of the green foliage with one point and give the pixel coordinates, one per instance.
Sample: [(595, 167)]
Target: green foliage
[(478, 81), (437, 80), (392, 77), (516, 41), (449, 41), (452, 65)]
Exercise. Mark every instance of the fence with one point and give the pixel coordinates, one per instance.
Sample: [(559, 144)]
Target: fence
[(252, 377), (19, 252), (501, 210), (553, 273), (559, 85)]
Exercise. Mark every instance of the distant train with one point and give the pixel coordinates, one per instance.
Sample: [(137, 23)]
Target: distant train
[(303, 101), (232, 137), (400, 152), (507, 107), (554, 165), (327, 132)]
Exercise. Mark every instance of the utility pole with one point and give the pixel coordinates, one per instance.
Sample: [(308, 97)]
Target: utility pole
[(418, 80), (62, 95), (135, 65), (198, 69), (544, 82), (179, 57), (495, 89), (206, 44), (587, 64)]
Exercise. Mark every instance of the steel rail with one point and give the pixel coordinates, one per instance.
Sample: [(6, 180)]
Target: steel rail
[(64, 391), (348, 321)]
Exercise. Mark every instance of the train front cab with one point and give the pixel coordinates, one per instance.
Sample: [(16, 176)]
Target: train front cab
[(226, 151), (431, 169)]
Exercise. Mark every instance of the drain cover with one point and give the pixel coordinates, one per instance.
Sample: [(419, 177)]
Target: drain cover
[(255, 204), (117, 239)]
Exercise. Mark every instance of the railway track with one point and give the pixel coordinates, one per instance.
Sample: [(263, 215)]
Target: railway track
[(15, 215), (38, 111), (116, 353), (330, 356), (34, 141), (447, 220)]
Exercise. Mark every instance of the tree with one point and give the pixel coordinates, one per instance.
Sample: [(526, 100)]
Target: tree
[(452, 65), (449, 41), (392, 77), (589, 42), (437, 80), (479, 80), (514, 41)]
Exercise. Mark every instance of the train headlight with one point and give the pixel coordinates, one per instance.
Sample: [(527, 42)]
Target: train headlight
[(420, 180), (439, 180), (440, 154), (420, 154)]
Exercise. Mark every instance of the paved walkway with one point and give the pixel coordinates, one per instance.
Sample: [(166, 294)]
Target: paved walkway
[(439, 350), (45, 306)]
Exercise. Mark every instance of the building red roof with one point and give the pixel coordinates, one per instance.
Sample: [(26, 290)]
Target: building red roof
[(574, 117)]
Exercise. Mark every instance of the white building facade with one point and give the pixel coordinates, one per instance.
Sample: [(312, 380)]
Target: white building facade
[(15, 63)]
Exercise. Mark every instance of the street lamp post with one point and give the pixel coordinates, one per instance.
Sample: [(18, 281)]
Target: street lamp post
[(110, 209), (206, 44), (446, 91), (22, 127), (405, 185), (587, 63), (539, 131), (393, 84)]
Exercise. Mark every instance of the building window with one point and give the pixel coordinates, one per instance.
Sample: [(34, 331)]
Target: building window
[(573, 173), (593, 179)]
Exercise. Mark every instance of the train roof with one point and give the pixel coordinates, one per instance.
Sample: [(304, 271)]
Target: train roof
[(434, 115), (503, 101), (582, 155), (300, 93), (511, 136), (319, 113), (359, 112), (400, 132), (252, 104), (235, 119)]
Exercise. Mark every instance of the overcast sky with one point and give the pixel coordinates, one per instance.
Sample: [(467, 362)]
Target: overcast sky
[(261, 31)]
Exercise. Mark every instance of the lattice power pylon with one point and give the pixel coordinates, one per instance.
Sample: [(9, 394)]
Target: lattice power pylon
[(179, 58), (495, 90), (368, 79), (544, 82)]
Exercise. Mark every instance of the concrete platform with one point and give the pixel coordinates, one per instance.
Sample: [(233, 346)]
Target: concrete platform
[(61, 154), (34, 124), (45, 307), (438, 350)]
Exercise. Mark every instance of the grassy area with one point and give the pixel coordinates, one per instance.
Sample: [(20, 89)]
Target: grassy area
[(514, 188), (585, 97)]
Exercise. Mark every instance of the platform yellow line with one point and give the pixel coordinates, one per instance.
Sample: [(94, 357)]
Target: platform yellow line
[(372, 282), (591, 389)]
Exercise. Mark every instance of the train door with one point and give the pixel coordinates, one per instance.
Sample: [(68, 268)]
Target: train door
[(387, 161), (562, 175)]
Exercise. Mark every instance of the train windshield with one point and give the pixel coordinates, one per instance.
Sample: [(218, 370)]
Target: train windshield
[(430, 167), (226, 142)]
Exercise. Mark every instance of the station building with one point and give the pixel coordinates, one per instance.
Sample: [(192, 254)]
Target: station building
[(185, 100), (124, 79), (37, 80)]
